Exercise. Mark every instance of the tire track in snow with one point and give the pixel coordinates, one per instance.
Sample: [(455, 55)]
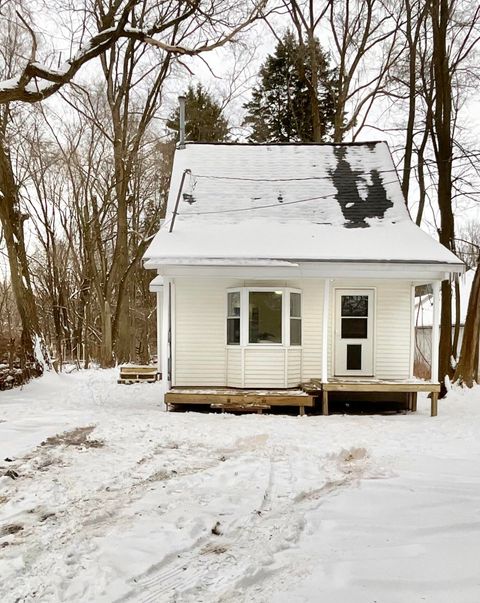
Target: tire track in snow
[(250, 548), (79, 519)]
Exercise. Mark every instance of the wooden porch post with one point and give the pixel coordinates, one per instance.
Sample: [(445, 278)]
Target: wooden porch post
[(165, 337)]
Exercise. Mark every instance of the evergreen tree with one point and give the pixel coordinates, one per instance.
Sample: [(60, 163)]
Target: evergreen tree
[(283, 103), (203, 121)]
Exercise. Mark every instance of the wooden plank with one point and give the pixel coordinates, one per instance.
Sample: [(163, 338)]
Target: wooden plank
[(381, 387), (242, 407), (173, 397), (137, 370), (129, 381), (135, 377), (325, 402), (434, 405), (238, 392)]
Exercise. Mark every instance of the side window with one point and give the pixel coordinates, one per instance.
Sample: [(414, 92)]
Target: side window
[(233, 318), (295, 319)]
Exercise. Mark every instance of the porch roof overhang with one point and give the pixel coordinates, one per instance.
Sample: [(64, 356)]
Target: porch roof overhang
[(415, 271), (156, 284)]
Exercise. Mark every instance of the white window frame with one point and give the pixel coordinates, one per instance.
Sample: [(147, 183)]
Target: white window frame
[(227, 317), (244, 317)]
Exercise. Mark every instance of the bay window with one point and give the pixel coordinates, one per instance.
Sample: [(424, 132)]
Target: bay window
[(264, 316)]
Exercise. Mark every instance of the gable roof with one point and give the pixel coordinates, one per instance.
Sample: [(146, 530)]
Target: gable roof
[(302, 202)]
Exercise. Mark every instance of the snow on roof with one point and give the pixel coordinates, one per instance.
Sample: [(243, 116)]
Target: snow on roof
[(424, 304), (290, 202)]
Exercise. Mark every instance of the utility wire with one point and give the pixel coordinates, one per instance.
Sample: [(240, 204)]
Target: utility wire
[(329, 177), (278, 204)]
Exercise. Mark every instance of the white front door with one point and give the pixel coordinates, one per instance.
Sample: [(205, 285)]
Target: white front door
[(354, 332)]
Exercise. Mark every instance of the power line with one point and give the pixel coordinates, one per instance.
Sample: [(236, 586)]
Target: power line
[(306, 178), (278, 204)]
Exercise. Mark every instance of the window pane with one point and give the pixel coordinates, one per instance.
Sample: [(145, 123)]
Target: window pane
[(295, 331), (233, 331), (354, 357), (354, 305), (265, 317), (295, 305), (234, 303), (354, 328)]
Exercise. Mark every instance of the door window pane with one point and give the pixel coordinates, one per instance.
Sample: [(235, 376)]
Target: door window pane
[(265, 317), (354, 357), (354, 305), (354, 328)]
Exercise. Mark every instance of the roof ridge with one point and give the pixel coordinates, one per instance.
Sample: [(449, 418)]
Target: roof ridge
[(287, 144)]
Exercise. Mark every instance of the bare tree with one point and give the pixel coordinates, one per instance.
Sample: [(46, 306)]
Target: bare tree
[(466, 371), (365, 49), (175, 29)]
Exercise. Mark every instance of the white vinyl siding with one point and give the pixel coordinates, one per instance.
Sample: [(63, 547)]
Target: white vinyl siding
[(294, 367), (200, 312), (264, 367), (312, 310), (202, 357), (393, 332), (234, 367)]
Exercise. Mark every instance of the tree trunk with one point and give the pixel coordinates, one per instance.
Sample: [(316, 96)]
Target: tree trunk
[(314, 105), (467, 367), (443, 145), (456, 331), (12, 222), (107, 356), (412, 81)]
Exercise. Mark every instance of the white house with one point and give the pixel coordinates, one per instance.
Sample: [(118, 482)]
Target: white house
[(289, 264)]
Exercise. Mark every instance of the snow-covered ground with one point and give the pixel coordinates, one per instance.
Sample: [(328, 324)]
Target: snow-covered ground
[(124, 502)]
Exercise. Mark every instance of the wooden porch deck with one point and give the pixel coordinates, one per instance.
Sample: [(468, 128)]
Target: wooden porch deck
[(258, 400), (241, 400), (373, 386)]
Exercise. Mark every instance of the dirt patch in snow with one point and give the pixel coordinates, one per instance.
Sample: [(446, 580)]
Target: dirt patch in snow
[(10, 529), (213, 549), (78, 437), (161, 475)]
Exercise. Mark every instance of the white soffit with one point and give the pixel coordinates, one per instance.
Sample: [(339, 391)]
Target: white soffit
[(156, 284)]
